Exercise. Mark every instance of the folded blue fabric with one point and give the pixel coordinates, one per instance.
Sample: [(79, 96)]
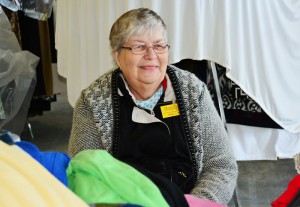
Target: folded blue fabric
[(55, 162), (6, 137)]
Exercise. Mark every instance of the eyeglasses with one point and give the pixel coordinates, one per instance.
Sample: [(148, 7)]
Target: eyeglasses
[(143, 49)]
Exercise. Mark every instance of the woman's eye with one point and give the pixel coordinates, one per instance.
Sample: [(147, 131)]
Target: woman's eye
[(158, 46), (141, 47)]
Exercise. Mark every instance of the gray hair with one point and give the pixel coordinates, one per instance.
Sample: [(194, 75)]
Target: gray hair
[(134, 22)]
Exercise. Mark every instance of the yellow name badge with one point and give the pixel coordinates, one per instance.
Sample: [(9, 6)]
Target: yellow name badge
[(169, 110)]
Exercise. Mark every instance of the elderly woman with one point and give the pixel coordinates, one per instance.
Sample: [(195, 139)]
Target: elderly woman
[(154, 116)]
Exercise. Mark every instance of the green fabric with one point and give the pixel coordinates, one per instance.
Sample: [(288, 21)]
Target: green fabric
[(96, 177)]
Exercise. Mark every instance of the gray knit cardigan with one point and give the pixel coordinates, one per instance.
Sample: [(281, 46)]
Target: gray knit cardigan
[(216, 168)]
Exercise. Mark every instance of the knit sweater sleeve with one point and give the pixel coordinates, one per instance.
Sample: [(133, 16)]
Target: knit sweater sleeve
[(92, 118), (216, 166), (84, 132), (218, 175)]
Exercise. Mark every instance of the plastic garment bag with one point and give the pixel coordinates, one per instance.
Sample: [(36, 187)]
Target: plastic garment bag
[(36, 9), (17, 79)]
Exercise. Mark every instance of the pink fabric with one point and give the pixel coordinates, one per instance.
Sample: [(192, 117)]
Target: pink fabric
[(198, 202)]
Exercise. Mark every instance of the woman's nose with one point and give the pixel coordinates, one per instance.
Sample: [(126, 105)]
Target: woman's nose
[(150, 53)]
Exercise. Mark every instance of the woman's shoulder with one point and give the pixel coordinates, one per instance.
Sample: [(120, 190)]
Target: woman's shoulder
[(101, 83), (185, 76)]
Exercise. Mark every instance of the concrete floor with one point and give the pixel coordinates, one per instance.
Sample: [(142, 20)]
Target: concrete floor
[(259, 182)]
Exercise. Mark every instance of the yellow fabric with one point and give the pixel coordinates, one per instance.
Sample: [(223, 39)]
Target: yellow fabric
[(24, 182)]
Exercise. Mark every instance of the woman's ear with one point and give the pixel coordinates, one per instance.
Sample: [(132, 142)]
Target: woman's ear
[(116, 57)]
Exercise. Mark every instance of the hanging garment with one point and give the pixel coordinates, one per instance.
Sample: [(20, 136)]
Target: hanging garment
[(17, 78), (36, 38), (239, 108)]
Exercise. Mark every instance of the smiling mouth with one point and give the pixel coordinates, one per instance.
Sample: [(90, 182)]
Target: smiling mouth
[(149, 67)]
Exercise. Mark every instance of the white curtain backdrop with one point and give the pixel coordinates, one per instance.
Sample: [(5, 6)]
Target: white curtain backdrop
[(258, 41), (257, 143)]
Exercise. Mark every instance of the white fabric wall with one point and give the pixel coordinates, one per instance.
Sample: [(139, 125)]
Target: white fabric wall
[(256, 40), (257, 143)]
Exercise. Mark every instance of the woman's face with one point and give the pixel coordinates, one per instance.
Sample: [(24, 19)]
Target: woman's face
[(145, 69)]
